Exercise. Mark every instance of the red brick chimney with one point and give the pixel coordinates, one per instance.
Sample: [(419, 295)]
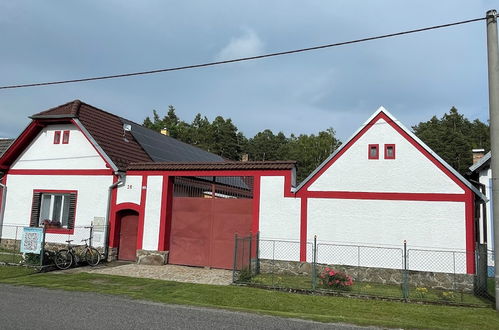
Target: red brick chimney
[(477, 154)]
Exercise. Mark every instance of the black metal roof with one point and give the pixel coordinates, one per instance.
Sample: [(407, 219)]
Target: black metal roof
[(162, 148)]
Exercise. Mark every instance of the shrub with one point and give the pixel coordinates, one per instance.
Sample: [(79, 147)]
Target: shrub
[(332, 279)]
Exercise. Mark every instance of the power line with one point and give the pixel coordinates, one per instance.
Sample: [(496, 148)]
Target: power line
[(194, 66)]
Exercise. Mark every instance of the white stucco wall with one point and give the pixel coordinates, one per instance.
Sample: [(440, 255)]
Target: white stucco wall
[(410, 172), (485, 177), (339, 223), (92, 201), (279, 219), (152, 214), (42, 153), (130, 191)]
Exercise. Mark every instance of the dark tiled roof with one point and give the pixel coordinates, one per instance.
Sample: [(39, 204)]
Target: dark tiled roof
[(139, 145), (4, 145), (219, 166)]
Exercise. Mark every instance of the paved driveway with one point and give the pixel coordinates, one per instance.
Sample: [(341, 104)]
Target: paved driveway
[(37, 308)]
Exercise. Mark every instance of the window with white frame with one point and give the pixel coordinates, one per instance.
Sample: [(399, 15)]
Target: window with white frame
[(53, 209)]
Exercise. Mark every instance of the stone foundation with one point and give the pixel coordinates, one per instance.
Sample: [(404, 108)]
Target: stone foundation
[(434, 280), (112, 254), (10, 244), (158, 258)]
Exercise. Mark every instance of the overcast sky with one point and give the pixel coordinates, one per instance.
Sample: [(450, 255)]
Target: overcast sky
[(414, 76)]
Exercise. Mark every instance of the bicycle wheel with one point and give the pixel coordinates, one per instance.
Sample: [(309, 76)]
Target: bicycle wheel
[(63, 259), (92, 256)]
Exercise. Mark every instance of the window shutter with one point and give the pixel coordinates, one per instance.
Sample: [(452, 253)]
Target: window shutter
[(72, 209), (35, 209)]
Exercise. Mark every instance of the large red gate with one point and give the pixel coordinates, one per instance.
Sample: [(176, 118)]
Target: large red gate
[(203, 229)]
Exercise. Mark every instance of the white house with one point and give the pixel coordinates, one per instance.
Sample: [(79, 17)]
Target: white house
[(75, 165)]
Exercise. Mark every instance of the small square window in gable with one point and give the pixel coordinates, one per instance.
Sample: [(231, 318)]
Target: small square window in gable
[(65, 137), (57, 137), (389, 151), (373, 151)]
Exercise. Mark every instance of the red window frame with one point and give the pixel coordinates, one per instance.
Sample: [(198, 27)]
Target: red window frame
[(65, 137), (57, 137), (370, 146), (386, 151)]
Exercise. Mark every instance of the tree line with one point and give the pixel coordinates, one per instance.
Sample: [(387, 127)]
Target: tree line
[(452, 137)]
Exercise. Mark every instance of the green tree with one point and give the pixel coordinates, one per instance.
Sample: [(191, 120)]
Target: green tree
[(267, 146), (453, 137), (311, 150)]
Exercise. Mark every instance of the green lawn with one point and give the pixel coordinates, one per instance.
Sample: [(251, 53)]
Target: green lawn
[(371, 289), (10, 257), (319, 308)]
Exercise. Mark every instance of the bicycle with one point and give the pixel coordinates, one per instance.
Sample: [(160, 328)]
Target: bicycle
[(65, 258)]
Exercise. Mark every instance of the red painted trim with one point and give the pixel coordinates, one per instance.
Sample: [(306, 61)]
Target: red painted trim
[(58, 191), (20, 144), (303, 229), (57, 137), (386, 151), (213, 173), (347, 146), (59, 231), (114, 232), (140, 229), (65, 137), (61, 172), (165, 215), (371, 146), (287, 185), (2, 191), (255, 225), (387, 196), (470, 233), (127, 206), (88, 139)]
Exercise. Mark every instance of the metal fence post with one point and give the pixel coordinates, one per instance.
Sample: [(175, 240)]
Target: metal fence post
[(257, 253), (405, 284), (250, 251), (314, 264), (42, 250), (234, 268)]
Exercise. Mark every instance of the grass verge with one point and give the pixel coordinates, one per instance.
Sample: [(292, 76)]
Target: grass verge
[(318, 308)]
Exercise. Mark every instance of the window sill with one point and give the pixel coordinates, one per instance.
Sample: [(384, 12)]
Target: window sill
[(59, 231)]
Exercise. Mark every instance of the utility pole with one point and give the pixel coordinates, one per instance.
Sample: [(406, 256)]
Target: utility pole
[(493, 68)]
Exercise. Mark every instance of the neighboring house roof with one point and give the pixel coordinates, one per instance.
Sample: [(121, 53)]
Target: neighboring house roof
[(484, 161), (410, 134), (220, 166), (124, 147), (4, 145)]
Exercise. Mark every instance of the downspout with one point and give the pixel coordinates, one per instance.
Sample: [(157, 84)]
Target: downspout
[(2, 202), (121, 178)]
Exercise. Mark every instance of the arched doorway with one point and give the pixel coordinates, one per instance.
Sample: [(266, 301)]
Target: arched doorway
[(128, 225)]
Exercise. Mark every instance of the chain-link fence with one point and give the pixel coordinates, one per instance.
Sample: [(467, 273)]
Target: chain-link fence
[(51, 241), (455, 277)]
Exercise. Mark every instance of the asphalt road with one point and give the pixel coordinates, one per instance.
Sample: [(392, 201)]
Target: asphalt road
[(37, 308)]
